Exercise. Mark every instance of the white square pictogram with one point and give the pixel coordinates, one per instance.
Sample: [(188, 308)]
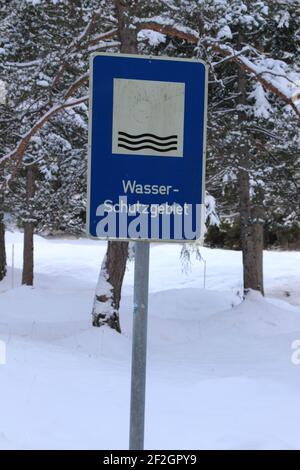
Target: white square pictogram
[(148, 118)]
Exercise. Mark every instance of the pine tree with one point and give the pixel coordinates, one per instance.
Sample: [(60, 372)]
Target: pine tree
[(44, 63), (253, 131)]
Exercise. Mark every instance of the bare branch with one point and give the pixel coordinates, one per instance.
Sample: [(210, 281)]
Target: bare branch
[(79, 44), (88, 29), (102, 37), (77, 84), (270, 72)]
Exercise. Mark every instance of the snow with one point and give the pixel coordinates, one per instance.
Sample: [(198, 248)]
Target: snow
[(262, 107), (153, 37), (277, 74), (211, 216), (165, 21), (224, 33), (283, 20), (27, 137), (76, 118), (103, 289), (220, 371), (42, 83), (38, 2), (282, 80)]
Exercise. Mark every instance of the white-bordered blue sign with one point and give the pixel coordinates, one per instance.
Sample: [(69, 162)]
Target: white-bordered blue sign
[(146, 148)]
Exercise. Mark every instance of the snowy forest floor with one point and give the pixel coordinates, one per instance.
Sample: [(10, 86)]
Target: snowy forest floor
[(219, 374)]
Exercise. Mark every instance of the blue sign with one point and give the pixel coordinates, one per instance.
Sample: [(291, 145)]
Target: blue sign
[(146, 148)]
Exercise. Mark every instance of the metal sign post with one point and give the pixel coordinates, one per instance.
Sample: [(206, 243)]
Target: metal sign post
[(139, 346), (147, 133)]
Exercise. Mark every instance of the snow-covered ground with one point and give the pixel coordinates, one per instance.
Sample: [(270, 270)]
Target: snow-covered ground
[(219, 375)]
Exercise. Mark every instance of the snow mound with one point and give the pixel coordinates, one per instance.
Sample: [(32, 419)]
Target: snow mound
[(220, 371)]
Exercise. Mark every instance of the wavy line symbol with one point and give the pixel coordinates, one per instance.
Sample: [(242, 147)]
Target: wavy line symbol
[(147, 141)]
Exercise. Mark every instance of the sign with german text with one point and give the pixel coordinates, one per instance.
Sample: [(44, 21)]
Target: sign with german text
[(146, 148)]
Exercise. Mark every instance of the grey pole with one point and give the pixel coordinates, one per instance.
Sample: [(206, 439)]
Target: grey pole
[(13, 265), (139, 346)]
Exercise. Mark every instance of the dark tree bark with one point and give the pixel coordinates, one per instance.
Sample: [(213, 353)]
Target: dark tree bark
[(258, 245), (27, 274), (2, 248), (127, 34), (108, 292), (2, 234), (251, 218)]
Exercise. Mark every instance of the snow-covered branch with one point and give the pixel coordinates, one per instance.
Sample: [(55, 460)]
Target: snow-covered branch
[(170, 28), (75, 85), (278, 83), (104, 46), (79, 43), (18, 152), (102, 37), (86, 32)]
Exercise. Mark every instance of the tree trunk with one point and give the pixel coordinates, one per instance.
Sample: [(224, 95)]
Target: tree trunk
[(250, 218), (258, 245), (27, 274), (108, 291), (2, 234), (2, 248), (126, 31), (251, 237)]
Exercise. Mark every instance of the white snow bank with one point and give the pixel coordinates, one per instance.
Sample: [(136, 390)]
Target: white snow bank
[(220, 373)]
